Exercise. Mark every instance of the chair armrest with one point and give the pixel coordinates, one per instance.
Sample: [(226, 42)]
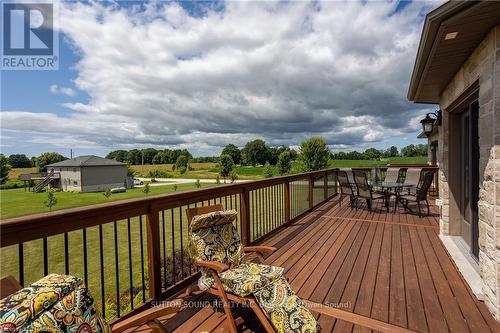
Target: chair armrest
[(216, 266), (260, 249), (148, 316)]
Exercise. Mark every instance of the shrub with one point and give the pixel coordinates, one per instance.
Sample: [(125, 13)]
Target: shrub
[(197, 183), (268, 171), (146, 188), (181, 162), (157, 173), (182, 170), (51, 200), (107, 193), (233, 176)]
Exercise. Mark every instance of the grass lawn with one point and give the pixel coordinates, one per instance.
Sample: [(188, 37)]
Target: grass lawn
[(17, 202)]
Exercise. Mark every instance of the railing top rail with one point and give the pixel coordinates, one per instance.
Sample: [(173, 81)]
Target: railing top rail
[(26, 228)]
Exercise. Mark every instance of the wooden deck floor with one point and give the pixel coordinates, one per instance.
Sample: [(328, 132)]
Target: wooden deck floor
[(390, 267)]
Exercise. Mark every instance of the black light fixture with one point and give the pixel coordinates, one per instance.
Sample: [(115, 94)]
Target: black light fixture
[(431, 119)]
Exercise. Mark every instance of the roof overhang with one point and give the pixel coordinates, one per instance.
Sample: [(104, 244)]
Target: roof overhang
[(440, 58)]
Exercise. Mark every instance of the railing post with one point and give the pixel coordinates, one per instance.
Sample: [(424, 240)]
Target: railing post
[(287, 201), (325, 186), (154, 258), (245, 216), (311, 184), (335, 178)]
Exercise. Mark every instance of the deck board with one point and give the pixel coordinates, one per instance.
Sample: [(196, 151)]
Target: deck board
[(385, 266)]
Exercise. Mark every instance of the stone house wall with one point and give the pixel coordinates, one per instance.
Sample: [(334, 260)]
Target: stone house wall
[(483, 66)]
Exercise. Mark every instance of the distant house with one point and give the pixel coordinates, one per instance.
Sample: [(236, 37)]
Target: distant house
[(88, 174), (458, 67)]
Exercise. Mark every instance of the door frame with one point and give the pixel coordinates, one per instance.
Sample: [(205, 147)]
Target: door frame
[(453, 172)]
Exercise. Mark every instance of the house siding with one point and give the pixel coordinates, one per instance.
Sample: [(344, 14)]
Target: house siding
[(483, 66), (100, 178), (70, 179)]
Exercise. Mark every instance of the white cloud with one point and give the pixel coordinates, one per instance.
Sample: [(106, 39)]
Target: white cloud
[(55, 89), (274, 70)]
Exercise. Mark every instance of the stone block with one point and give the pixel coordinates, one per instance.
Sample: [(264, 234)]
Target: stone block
[(482, 235), (486, 213)]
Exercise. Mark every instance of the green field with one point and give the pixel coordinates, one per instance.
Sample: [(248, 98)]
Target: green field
[(381, 163), (17, 202)]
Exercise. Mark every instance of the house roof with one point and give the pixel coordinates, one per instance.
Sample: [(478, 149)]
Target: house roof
[(439, 58), (86, 160)]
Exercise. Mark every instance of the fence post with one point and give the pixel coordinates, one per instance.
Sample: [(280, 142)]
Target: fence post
[(311, 184), (287, 201), (325, 186), (154, 258), (245, 216)]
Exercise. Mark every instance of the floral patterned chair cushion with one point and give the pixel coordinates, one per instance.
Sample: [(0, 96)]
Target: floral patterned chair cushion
[(249, 277), (55, 303), (213, 237), (285, 309)]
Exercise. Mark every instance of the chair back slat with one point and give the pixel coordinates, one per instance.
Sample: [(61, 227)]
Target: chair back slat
[(413, 176), (362, 186), (426, 184), (392, 175)]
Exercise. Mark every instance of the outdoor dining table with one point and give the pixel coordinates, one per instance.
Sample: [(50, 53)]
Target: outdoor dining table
[(387, 186)]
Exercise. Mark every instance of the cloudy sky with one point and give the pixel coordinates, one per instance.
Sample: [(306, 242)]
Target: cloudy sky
[(202, 75)]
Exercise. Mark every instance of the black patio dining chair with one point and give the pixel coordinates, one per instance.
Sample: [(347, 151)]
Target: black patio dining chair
[(412, 177), (393, 175), (365, 191), (419, 195), (346, 189)]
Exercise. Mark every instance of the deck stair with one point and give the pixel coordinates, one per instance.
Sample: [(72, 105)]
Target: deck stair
[(46, 181)]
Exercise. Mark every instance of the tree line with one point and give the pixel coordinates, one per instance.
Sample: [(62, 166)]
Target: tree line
[(375, 154), (313, 153)]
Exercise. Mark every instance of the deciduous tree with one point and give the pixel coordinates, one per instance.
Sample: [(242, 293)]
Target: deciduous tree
[(232, 151), (48, 158), (314, 153), (226, 165)]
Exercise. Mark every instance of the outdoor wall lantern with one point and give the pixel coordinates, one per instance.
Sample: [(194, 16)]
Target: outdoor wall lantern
[(431, 119)]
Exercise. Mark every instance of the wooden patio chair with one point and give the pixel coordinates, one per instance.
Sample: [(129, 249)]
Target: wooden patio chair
[(346, 189), (420, 195), (219, 270), (365, 191)]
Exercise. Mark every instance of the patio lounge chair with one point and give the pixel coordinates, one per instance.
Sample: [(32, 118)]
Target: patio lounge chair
[(55, 303), (364, 190), (45, 306), (420, 195), (345, 187), (216, 248)]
